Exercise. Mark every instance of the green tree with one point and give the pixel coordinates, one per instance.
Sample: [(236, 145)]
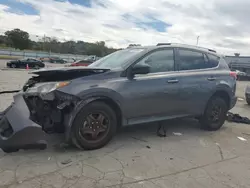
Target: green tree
[(19, 39)]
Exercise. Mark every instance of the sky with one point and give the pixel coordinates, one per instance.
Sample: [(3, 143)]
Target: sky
[(222, 25)]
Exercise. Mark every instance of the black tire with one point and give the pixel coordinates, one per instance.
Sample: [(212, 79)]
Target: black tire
[(205, 120), (36, 67), (92, 107), (248, 101), (10, 150)]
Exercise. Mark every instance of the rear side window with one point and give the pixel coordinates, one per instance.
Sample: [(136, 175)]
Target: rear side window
[(191, 60), (213, 61)]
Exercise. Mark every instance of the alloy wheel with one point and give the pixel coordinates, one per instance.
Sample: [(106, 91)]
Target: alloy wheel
[(94, 127)]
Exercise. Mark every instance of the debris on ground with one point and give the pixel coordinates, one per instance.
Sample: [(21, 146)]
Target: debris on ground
[(67, 161), (248, 134), (241, 138), (177, 134), (62, 146), (161, 131), (10, 91), (231, 117), (240, 99), (171, 158), (148, 147), (139, 139)]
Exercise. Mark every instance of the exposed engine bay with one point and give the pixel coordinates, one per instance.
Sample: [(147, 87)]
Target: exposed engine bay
[(50, 109)]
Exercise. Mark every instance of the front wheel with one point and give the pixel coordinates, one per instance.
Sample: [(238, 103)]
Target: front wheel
[(94, 126), (215, 114), (10, 150)]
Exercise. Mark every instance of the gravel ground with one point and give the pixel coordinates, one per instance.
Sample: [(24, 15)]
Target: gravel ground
[(136, 157)]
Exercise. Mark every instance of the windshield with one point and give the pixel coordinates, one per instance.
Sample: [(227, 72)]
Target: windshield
[(117, 59)]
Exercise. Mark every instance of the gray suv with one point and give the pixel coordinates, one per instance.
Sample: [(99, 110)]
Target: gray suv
[(131, 86)]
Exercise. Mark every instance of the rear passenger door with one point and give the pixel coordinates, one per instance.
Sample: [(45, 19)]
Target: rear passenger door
[(197, 78)]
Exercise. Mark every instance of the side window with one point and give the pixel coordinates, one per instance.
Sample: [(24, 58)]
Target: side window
[(213, 60), (190, 60), (160, 61)]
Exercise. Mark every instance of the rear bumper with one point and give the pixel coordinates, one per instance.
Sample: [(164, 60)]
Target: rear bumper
[(16, 129)]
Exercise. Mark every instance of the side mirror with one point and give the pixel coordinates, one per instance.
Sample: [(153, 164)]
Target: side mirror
[(140, 69)]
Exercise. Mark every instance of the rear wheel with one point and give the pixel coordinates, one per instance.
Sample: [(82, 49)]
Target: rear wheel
[(94, 126), (13, 66), (36, 67), (215, 114)]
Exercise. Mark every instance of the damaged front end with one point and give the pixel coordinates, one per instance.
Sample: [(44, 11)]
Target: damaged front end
[(17, 131), (49, 109), (39, 108)]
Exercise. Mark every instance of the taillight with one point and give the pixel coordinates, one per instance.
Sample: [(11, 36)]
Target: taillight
[(233, 74)]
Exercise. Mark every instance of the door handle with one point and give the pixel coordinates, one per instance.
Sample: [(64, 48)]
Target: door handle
[(173, 81), (211, 78)]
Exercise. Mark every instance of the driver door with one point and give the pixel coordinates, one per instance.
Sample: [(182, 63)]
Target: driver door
[(23, 63), (153, 96)]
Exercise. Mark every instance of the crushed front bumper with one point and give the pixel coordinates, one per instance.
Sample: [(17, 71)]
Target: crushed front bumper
[(17, 131)]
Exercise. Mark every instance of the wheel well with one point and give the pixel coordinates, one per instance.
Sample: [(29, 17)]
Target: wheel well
[(224, 95), (115, 107)]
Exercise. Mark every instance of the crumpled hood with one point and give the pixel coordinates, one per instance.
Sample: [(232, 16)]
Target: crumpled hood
[(61, 74)]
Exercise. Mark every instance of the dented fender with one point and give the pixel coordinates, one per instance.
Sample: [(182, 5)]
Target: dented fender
[(70, 117)]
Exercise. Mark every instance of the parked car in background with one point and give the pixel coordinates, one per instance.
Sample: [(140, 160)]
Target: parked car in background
[(130, 86), (91, 58), (57, 60), (45, 59), (32, 63), (247, 94), (240, 75), (242, 69), (80, 63), (53, 60)]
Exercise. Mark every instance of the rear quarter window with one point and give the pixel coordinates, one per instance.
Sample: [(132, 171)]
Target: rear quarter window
[(224, 64), (213, 61), (191, 60)]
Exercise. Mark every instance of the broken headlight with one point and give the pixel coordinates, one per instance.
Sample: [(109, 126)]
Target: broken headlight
[(46, 87)]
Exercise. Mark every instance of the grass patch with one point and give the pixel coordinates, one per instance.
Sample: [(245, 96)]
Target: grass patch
[(8, 57)]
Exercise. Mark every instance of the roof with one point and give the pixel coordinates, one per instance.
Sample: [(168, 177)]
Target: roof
[(237, 56), (178, 45)]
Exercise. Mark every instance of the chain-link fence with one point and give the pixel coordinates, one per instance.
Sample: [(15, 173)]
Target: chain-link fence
[(38, 54)]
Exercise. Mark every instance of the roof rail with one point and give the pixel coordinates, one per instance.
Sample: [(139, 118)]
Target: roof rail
[(161, 44), (211, 50), (188, 45)]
